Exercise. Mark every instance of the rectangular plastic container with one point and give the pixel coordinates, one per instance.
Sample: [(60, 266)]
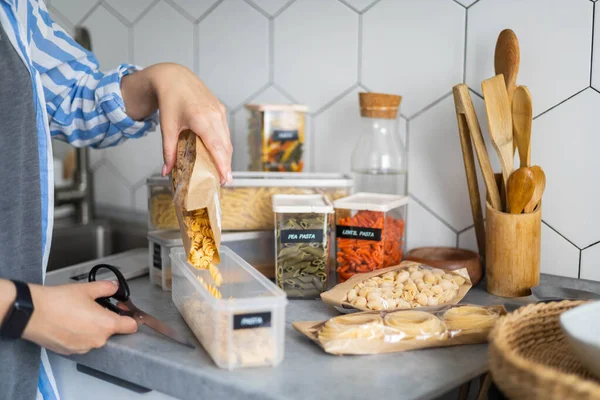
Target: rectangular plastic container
[(245, 328), (256, 248), (160, 244), (302, 243), (161, 212), (276, 137), (370, 232), (246, 203)]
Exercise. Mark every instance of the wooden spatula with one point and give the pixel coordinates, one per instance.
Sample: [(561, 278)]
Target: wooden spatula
[(507, 58), (499, 116), (522, 114), (539, 180), (519, 190)]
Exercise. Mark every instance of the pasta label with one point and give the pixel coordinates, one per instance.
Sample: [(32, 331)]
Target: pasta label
[(302, 236), (282, 135), (358, 232), (252, 321)]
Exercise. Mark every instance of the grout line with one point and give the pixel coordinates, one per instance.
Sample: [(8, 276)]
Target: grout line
[(285, 92), (591, 245), (349, 6), (257, 8), (419, 202), (594, 89), (579, 267), (282, 9), (593, 30), (146, 11), (465, 47), (476, 94), (115, 171), (182, 11), (208, 12), (360, 48), (335, 100), (367, 8), (466, 229), (271, 50), (251, 97), (115, 13), (87, 14), (430, 106), (560, 234), (473, 4), (556, 105), (63, 19), (460, 4)]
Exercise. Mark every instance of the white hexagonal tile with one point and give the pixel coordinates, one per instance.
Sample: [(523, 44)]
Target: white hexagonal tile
[(339, 127), (74, 11), (137, 158), (466, 3), (61, 21), (239, 140), (359, 5), (590, 263), (550, 79), (109, 38), (436, 170), (196, 8), (130, 9), (271, 7), (564, 143), (140, 198), (96, 157), (109, 188), (424, 229), (225, 64), (412, 51), (596, 54), (172, 42), (468, 240), (558, 257), (316, 62)]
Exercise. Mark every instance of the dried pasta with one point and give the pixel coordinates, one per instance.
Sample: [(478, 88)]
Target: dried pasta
[(211, 289), (415, 324), (203, 247), (366, 326), (162, 211), (469, 317), (251, 208)]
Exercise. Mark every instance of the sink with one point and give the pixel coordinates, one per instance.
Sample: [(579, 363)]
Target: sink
[(74, 243)]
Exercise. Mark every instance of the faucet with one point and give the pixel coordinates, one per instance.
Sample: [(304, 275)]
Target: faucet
[(80, 192)]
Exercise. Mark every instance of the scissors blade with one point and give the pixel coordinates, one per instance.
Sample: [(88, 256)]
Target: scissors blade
[(162, 328)]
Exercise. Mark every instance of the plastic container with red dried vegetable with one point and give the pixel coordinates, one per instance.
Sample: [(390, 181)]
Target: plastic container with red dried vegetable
[(370, 231)]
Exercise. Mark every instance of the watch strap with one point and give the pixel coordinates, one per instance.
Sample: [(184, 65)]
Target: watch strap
[(19, 314)]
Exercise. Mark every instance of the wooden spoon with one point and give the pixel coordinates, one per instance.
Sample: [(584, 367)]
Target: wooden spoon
[(522, 113), (507, 58), (520, 190), (539, 180), (499, 115)]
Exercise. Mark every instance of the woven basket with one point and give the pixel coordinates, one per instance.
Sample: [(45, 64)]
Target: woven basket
[(530, 357)]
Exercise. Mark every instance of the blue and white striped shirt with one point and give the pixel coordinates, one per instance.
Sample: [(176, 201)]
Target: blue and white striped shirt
[(74, 102)]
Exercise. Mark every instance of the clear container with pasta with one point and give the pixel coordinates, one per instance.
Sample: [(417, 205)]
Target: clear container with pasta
[(302, 243), (161, 211), (370, 232), (276, 137), (160, 244), (242, 323), (247, 205)]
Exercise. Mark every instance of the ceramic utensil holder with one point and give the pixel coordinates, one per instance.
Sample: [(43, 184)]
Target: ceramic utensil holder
[(512, 251)]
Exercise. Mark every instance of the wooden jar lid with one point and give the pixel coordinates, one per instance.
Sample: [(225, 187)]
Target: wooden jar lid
[(379, 105)]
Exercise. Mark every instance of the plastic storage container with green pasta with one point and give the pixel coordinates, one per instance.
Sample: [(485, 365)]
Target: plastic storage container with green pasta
[(302, 243)]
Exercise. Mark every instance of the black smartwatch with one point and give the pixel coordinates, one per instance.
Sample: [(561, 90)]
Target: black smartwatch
[(18, 315)]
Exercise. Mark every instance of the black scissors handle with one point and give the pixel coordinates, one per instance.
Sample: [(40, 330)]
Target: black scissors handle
[(122, 293)]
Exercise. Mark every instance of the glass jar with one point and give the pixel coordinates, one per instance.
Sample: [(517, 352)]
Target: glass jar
[(379, 159)]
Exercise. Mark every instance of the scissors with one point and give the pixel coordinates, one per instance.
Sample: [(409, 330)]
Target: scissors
[(125, 307)]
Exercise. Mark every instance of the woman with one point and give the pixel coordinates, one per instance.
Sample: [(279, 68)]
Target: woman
[(50, 86)]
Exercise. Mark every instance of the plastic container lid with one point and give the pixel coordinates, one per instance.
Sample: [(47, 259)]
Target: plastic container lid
[(277, 107), (290, 179), (166, 237), (158, 180), (301, 203), (371, 202)]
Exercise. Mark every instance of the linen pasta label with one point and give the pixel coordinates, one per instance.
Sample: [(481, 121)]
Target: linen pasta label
[(358, 232), (302, 236), (252, 321)]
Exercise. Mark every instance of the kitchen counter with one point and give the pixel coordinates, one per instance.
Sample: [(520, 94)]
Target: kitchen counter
[(149, 360)]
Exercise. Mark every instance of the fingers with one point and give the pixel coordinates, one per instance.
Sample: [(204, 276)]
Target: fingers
[(100, 288), (170, 133), (125, 325)]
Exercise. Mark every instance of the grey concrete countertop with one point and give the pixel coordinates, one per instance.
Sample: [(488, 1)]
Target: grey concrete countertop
[(149, 360)]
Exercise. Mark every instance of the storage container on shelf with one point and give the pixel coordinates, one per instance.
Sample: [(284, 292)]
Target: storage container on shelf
[(160, 244), (302, 243), (246, 203), (370, 232), (276, 137), (161, 212), (255, 247), (245, 328)]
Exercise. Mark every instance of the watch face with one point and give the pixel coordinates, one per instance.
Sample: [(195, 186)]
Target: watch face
[(15, 322)]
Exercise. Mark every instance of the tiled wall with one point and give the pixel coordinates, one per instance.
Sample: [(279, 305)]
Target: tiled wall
[(322, 52)]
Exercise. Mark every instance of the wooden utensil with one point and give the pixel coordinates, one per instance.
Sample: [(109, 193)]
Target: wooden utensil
[(499, 115), (520, 190), (539, 180), (464, 106), (449, 259), (507, 59), (522, 114)]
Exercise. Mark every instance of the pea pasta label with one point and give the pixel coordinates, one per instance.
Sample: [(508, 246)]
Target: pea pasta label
[(251, 321), (358, 232), (302, 236)]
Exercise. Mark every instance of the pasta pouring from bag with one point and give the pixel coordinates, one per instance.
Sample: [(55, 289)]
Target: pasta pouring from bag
[(404, 286)]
